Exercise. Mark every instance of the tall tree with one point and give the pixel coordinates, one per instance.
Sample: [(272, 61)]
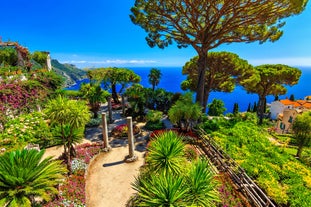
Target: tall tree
[(25, 176), (224, 70), (270, 80), (302, 131), (111, 77), (205, 24), (154, 77), (70, 116)]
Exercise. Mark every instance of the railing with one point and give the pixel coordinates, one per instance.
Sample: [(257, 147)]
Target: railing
[(223, 163)]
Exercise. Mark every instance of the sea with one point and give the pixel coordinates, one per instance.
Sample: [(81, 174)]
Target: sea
[(172, 78)]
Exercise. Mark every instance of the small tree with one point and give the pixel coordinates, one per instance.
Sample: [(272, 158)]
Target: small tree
[(95, 96), (69, 116), (154, 77), (302, 131), (185, 113), (216, 108)]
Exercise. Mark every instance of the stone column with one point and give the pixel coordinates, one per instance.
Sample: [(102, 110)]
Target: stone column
[(110, 110), (48, 62), (131, 157), (105, 133)]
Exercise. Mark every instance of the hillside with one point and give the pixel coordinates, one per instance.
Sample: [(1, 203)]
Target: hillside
[(70, 72)]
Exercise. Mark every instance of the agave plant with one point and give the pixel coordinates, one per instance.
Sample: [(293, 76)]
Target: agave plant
[(166, 153), (202, 188), (160, 190), (25, 176)]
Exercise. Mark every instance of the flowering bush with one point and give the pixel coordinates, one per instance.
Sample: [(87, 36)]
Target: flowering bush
[(25, 129), (121, 130), (73, 192)]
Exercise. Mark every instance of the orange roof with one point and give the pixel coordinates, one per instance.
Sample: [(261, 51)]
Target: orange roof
[(297, 103)]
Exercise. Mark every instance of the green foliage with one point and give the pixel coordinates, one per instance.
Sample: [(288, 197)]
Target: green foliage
[(283, 178), (25, 175), (187, 24), (216, 108), (154, 77), (111, 77), (137, 99), (8, 56), (27, 128), (153, 119), (270, 80), (71, 94), (41, 58), (302, 131), (160, 190), (94, 122), (185, 113), (235, 108), (166, 153), (170, 180), (154, 116), (69, 117), (158, 99), (225, 69), (95, 96)]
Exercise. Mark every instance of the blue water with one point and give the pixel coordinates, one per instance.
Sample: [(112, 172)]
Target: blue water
[(172, 77)]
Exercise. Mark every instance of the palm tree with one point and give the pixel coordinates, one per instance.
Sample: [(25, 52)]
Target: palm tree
[(69, 115), (25, 175), (166, 153), (154, 77)]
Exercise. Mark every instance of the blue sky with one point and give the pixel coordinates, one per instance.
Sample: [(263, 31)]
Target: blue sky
[(99, 33)]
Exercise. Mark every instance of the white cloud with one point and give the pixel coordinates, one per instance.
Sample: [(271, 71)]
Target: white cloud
[(292, 61), (109, 62)]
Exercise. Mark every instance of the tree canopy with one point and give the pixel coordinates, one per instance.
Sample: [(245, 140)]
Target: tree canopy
[(205, 24), (270, 80), (224, 70), (111, 77)]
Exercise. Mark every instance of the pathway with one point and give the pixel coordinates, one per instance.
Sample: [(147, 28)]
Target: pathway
[(109, 178)]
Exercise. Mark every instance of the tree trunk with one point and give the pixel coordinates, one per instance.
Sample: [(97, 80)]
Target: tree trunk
[(114, 93), (261, 108), (206, 95), (202, 64), (69, 159)]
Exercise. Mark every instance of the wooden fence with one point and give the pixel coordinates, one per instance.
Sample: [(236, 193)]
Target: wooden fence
[(243, 183)]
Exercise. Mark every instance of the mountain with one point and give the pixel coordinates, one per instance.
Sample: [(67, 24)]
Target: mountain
[(70, 72)]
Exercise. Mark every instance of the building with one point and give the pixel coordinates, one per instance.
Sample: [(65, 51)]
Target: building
[(285, 111)]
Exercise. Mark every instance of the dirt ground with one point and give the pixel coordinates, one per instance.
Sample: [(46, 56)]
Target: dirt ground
[(109, 178)]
